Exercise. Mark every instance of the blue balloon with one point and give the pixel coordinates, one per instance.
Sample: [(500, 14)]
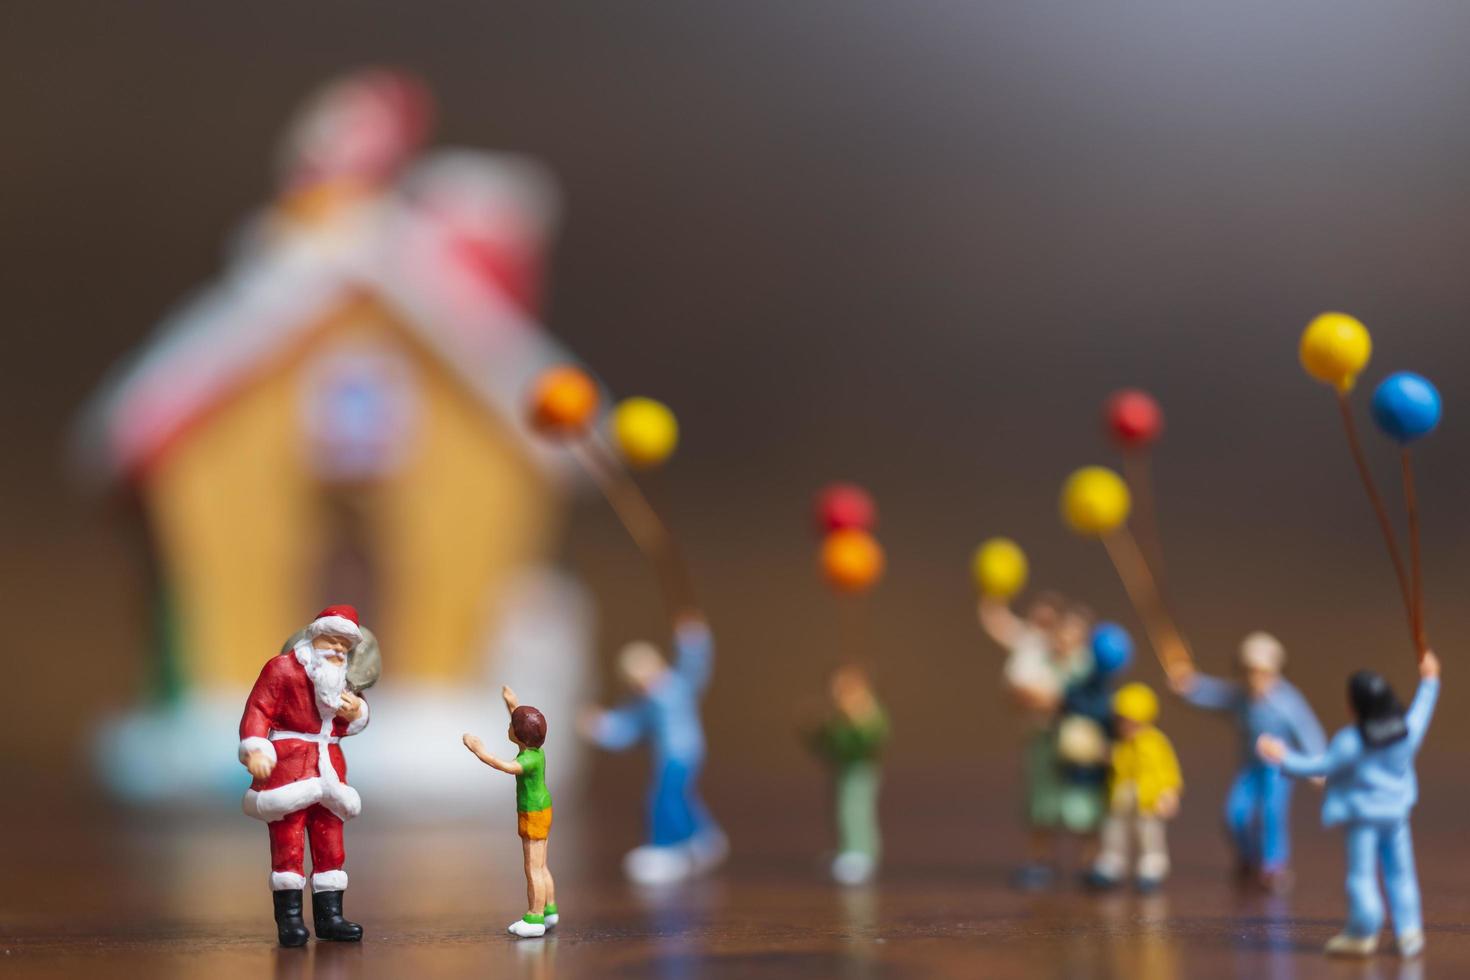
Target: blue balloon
[(1112, 648), (1406, 406)]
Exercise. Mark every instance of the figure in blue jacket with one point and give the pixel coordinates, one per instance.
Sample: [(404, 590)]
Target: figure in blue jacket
[(1258, 807), (1371, 788), (683, 839)]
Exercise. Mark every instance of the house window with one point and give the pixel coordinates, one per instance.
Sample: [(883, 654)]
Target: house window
[(359, 413)]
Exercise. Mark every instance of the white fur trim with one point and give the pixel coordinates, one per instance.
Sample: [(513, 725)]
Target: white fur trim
[(273, 804), (287, 881), (335, 625), (329, 881), (353, 727), (342, 800), (257, 744)]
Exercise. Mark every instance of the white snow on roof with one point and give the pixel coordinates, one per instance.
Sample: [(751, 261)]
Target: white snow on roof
[(281, 285)]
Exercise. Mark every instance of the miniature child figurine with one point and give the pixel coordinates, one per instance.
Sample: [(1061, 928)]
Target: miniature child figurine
[(533, 811), (1143, 791), (1046, 652), (683, 840), (297, 713), (851, 740), (1371, 787), (1258, 807)]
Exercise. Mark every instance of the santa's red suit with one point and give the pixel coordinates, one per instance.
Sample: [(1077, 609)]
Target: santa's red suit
[(306, 793)]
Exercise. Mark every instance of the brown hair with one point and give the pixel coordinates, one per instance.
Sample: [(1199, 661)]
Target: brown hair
[(529, 726)]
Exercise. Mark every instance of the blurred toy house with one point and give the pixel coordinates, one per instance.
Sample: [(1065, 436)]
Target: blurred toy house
[(338, 419)]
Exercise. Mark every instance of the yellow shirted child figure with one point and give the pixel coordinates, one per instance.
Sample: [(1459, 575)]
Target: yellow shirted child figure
[(1144, 784), (533, 811)]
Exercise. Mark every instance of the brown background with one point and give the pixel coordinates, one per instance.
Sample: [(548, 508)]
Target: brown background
[(910, 245)]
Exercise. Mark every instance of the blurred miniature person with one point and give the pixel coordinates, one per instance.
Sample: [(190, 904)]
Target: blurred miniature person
[(1143, 791), (683, 840), (851, 741), (533, 811), (1371, 787), (1258, 807), (1045, 653), (297, 713)]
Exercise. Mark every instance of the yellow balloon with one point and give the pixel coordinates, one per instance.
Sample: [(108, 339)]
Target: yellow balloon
[(645, 431), (1095, 500), (999, 567), (1335, 349)]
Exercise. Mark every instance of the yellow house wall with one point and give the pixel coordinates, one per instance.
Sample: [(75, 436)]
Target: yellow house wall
[(238, 514)]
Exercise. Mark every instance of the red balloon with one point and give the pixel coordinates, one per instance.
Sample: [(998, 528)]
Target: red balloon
[(840, 506), (1133, 417)]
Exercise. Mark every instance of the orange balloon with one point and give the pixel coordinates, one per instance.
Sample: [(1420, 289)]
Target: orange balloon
[(563, 402), (852, 560)]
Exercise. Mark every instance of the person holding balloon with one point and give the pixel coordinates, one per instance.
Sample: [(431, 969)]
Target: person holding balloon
[(1261, 702), (664, 710), (1144, 784), (683, 839), (1045, 654), (1371, 787), (850, 739)]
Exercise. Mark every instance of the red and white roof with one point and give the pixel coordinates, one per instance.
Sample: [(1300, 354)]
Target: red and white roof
[(453, 249)]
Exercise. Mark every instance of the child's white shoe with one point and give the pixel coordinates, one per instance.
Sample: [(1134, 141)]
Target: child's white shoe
[(552, 916), (651, 865), (1411, 944), (526, 930), (1345, 944), (707, 850), (853, 868)]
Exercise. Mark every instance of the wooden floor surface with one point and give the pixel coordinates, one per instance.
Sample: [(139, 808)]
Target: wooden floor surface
[(187, 898)]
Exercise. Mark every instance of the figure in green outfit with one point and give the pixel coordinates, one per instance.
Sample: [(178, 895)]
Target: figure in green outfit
[(533, 811), (1046, 654), (851, 741)]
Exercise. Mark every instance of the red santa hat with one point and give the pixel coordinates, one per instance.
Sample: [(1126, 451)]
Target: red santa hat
[(337, 621)]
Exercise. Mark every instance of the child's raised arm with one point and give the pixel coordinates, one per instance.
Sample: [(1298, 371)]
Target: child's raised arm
[(475, 745), (999, 622)]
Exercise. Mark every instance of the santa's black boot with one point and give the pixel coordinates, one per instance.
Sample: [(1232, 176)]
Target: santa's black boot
[(326, 909), (289, 927)]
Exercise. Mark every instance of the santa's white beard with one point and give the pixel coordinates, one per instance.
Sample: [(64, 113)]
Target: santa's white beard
[(328, 677)]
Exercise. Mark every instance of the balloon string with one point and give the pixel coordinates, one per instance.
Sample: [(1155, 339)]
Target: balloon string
[(1138, 468), (644, 526), (1169, 645), (1379, 509), (852, 631), (1416, 579)]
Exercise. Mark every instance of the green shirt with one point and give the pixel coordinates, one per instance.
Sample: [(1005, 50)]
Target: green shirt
[(844, 741), (531, 794)]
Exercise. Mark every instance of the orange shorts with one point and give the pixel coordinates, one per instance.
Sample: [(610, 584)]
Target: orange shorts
[(535, 825)]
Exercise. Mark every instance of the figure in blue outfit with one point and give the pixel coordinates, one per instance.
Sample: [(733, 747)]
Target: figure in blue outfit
[(1258, 807), (1371, 788), (683, 840)]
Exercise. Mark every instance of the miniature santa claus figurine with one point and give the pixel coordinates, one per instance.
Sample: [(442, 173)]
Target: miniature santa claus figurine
[(297, 713)]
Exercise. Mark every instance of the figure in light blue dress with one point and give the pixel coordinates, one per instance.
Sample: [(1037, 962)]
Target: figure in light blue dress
[(1371, 787), (683, 839), (1258, 806)]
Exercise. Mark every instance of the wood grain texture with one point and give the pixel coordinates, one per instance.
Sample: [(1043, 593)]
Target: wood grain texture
[(188, 899)]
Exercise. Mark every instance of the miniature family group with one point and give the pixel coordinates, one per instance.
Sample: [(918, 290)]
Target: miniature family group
[(1104, 797), (1095, 764), (1097, 768)]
